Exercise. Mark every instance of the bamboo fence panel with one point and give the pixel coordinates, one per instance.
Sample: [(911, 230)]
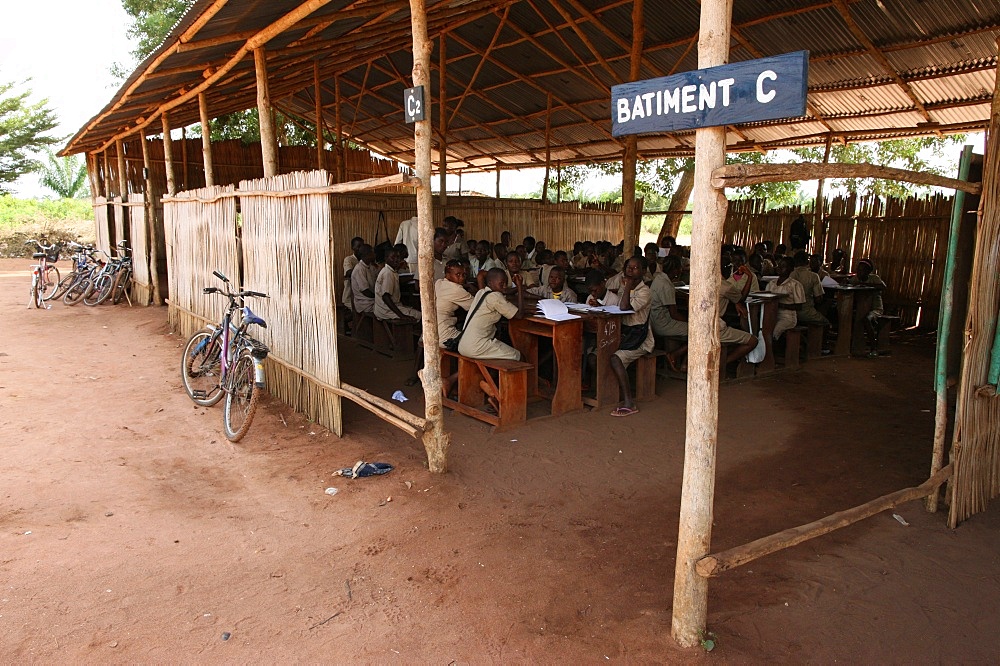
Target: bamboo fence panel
[(749, 221), (142, 291), (201, 238), (286, 254), (102, 228), (840, 222), (120, 214)]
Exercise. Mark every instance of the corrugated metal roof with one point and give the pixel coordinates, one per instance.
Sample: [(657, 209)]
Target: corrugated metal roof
[(944, 53)]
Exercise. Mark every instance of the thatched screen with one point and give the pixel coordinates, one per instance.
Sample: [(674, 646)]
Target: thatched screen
[(903, 237), (201, 237), (120, 221), (141, 287), (286, 254)]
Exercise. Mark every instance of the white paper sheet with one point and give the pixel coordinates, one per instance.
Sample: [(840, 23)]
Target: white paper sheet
[(554, 309), (829, 282)]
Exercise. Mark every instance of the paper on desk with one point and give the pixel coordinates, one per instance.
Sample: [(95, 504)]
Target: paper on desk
[(829, 282), (554, 309), (614, 309), (578, 307)]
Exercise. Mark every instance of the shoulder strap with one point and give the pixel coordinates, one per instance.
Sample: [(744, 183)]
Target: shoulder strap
[(471, 314)]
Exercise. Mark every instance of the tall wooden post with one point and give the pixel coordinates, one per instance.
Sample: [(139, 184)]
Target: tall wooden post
[(92, 176), (443, 125), (319, 115), (690, 608), (498, 180), (152, 231), (341, 158), (629, 226), (548, 148), (819, 229), (108, 177), (436, 439), (206, 141), (168, 155), (558, 182), (268, 137), (185, 183), (122, 182)]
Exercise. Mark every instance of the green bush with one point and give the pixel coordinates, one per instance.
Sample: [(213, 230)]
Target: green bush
[(58, 220)]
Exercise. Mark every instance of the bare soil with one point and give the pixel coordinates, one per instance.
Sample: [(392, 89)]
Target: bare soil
[(131, 530)]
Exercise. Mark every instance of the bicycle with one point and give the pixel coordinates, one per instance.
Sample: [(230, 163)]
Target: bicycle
[(44, 276), (81, 267), (101, 287), (223, 360), (84, 283)]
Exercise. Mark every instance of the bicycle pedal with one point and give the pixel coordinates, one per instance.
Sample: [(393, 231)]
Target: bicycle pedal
[(199, 395)]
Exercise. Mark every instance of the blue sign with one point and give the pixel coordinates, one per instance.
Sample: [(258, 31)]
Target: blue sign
[(742, 92)]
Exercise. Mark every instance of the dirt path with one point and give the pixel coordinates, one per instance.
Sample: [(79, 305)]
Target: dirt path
[(131, 530)]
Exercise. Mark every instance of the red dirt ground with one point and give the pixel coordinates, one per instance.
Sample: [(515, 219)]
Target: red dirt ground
[(131, 530)]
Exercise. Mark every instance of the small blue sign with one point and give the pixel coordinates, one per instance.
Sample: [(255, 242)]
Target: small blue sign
[(741, 92)]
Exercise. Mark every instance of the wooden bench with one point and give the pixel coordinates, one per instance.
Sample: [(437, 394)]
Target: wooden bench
[(885, 323), (814, 340), (475, 382), (645, 375), (363, 329), (395, 338), (793, 345)]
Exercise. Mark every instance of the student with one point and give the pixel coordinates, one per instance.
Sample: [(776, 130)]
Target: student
[(814, 292), (482, 260), (350, 261), (664, 316), (561, 259), (363, 280), (555, 287), (650, 253), (581, 262), (636, 336), (505, 239), (597, 287), (866, 276), (792, 297), (729, 292), (838, 263), (479, 337), (529, 253), (440, 245), (387, 303), (404, 257), (545, 262), (512, 267), (450, 297), (738, 259), (407, 235), (799, 234), (816, 266)]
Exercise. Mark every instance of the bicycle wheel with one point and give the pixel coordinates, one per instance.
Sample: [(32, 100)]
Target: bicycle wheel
[(78, 290), (100, 291), (241, 398), (123, 282), (49, 282), (64, 285), (201, 367)]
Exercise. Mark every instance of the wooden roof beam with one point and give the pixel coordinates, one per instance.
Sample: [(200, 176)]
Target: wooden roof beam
[(555, 58), (479, 67), (583, 37)]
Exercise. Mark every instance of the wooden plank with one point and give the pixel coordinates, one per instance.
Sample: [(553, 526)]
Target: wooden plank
[(742, 175)]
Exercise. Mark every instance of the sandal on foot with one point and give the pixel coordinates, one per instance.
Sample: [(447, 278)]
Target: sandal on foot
[(625, 411)]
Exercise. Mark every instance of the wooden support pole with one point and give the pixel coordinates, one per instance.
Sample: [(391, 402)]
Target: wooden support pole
[(268, 137), (498, 181), (436, 439), (629, 225), (741, 175), (694, 539), (152, 231), (548, 150), (819, 228), (92, 176), (318, 103), (106, 172), (341, 158), (206, 140), (442, 126), (122, 181), (559, 182), (184, 160), (168, 155), (713, 565)]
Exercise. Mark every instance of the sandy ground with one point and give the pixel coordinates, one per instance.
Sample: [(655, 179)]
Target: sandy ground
[(131, 530)]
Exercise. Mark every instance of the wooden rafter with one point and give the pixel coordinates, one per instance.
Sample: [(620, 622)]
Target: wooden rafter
[(583, 37), (482, 62)]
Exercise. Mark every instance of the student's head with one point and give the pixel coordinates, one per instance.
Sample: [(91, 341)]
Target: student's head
[(800, 258), (496, 279), (450, 224), (768, 245), (837, 259), (650, 251), (780, 250), (499, 250), (455, 271), (865, 268), (672, 266), (561, 260), (635, 267), (513, 261), (392, 258), (595, 283), (366, 254), (471, 245), (539, 246), (815, 261), (544, 256), (738, 256), (577, 247), (356, 242), (668, 242), (440, 241), (483, 250), (404, 253), (505, 238), (557, 279), (529, 243), (785, 266), (756, 262), (522, 251)]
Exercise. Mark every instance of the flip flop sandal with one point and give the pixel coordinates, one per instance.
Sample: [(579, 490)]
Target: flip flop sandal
[(624, 411), (362, 469)]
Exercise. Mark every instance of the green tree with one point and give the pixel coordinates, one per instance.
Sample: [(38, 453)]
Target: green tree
[(23, 131), (150, 21), (67, 177)]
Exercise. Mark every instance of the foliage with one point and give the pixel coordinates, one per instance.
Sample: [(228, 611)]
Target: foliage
[(23, 128), (150, 23), (58, 220), (245, 126), (66, 177)]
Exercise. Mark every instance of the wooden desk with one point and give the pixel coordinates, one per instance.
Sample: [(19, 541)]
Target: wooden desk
[(853, 303), (608, 330), (567, 347)]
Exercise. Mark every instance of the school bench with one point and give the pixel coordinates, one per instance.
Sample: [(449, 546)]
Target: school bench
[(395, 338), (475, 383), (885, 324)]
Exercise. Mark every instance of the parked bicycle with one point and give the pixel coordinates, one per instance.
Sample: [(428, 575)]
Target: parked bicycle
[(224, 360), (83, 257), (44, 275), (105, 281), (83, 286)]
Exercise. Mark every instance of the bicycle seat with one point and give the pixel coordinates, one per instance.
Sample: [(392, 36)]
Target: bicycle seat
[(38, 255), (250, 318)]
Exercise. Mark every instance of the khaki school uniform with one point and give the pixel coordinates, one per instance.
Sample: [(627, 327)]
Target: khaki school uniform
[(792, 293), (450, 297), (362, 278), (614, 283), (640, 300), (387, 282), (479, 339), (439, 269), (728, 293), (350, 261), (877, 305), (813, 288), (475, 267), (664, 294), (567, 295)]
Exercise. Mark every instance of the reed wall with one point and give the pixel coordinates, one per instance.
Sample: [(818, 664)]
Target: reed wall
[(142, 291)]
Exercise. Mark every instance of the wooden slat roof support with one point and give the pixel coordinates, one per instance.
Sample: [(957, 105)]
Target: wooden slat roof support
[(485, 58)]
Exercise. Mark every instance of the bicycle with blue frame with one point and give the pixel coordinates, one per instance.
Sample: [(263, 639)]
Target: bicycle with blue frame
[(224, 361)]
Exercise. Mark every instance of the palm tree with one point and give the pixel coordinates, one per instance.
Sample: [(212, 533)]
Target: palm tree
[(66, 177)]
